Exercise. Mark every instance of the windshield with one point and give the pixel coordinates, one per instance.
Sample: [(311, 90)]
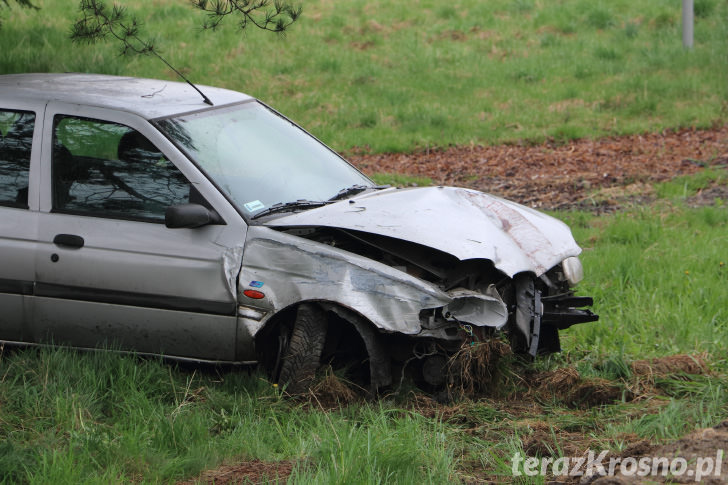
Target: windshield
[(260, 159)]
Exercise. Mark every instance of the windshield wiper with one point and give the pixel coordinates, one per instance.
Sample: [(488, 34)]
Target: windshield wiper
[(355, 189), (290, 206)]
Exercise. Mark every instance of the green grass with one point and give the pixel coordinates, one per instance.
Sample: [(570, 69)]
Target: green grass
[(686, 186), (396, 76), (399, 180), (658, 274), (100, 418)]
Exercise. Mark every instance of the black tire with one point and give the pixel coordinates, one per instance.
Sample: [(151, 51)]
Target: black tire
[(302, 357)]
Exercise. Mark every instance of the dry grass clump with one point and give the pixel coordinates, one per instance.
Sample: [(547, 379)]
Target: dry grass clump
[(596, 391), (557, 383), (642, 385), (545, 439), (254, 471), (332, 391), (566, 385), (474, 369), (671, 366)]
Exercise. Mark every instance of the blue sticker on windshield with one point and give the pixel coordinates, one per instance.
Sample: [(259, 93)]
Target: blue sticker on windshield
[(254, 206), (257, 284)]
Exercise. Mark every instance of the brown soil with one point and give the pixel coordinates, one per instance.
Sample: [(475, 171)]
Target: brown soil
[(698, 445), (672, 365), (592, 174), (250, 472)]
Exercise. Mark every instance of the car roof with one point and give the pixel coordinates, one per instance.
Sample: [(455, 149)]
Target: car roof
[(149, 98)]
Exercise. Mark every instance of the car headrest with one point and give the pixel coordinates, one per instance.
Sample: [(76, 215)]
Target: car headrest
[(134, 147)]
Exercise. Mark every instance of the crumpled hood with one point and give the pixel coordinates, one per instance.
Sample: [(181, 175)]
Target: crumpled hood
[(464, 223)]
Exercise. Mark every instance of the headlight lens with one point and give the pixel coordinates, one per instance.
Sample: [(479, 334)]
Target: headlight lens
[(573, 270)]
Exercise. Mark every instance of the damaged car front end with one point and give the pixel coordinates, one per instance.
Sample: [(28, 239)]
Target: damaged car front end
[(427, 269)]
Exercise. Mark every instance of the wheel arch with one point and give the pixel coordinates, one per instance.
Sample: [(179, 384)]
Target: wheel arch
[(380, 371)]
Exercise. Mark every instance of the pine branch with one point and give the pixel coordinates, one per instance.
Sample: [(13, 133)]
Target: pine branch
[(260, 13), (98, 23)]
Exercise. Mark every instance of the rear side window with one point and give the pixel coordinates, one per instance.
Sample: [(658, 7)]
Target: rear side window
[(16, 140), (105, 169)]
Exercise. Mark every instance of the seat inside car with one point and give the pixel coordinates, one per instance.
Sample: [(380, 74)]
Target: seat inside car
[(65, 172), (136, 148)]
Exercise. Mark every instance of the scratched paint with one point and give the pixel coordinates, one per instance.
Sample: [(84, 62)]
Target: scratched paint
[(296, 269)]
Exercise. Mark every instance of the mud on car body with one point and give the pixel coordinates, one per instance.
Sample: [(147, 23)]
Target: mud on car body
[(134, 215)]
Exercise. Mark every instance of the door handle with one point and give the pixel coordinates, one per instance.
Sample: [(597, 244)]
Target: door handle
[(69, 240)]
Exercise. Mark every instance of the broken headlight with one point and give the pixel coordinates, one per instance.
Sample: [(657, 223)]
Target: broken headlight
[(573, 270)]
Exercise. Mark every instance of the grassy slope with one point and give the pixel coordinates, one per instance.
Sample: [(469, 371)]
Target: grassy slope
[(661, 281), (401, 75)]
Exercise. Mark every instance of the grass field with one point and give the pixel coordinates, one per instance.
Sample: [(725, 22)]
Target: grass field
[(659, 278), (395, 76), (398, 76)]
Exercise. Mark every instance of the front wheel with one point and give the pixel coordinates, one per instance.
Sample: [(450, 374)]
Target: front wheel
[(301, 354)]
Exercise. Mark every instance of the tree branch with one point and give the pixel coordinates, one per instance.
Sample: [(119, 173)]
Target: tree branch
[(257, 12), (99, 23)]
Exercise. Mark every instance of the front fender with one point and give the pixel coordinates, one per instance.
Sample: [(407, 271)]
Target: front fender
[(288, 269)]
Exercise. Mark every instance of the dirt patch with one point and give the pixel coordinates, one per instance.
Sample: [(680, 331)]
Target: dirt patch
[(596, 391), (250, 472), (671, 366), (695, 449), (546, 440), (709, 196), (489, 369), (557, 383), (567, 386), (558, 176)]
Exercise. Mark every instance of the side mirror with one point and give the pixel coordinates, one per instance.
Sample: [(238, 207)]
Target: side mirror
[(190, 216)]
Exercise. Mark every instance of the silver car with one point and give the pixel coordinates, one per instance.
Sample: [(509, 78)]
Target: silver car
[(136, 216)]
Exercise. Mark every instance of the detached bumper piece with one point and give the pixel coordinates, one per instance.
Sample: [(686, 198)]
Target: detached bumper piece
[(563, 311), (539, 317)]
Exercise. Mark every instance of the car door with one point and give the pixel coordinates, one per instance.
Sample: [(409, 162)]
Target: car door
[(108, 271), (19, 153)]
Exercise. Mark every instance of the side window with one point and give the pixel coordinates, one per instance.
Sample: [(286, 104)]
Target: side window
[(109, 170), (16, 140)]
